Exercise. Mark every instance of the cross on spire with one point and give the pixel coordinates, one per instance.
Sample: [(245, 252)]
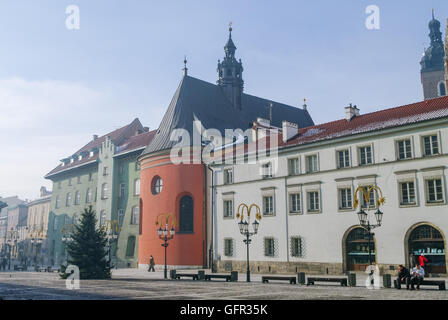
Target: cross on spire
[(185, 69)]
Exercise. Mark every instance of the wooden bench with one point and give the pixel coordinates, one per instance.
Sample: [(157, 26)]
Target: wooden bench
[(311, 280), (425, 282), (292, 280), (209, 277), (187, 275)]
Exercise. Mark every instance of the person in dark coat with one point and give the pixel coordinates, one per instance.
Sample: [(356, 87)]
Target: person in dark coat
[(403, 275), (151, 264)]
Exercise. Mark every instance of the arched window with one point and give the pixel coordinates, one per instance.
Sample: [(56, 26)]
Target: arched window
[(135, 215), (130, 248), (77, 197), (186, 214), (104, 191), (102, 217), (442, 89), (156, 185), (68, 199), (357, 246), (427, 240), (89, 195)]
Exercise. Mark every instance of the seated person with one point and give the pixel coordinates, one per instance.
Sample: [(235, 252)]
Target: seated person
[(417, 275), (403, 275)]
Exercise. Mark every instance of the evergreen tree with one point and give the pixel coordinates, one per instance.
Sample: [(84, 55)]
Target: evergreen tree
[(87, 248)]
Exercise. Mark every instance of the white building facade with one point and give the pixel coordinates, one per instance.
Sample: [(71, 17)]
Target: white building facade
[(309, 220)]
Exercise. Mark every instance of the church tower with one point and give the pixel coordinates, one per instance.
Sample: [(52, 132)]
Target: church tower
[(446, 55), (432, 64), (230, 74)]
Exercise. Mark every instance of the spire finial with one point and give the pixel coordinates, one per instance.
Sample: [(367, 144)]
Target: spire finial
[(432, 13), (230, 27), (185, 69), (304, 104)]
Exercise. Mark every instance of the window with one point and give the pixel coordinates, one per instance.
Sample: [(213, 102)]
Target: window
[(313, 201), (58, 202), (441, 89), (343, 159), (296, 247), (130, 247), (102, 218), (434, 191), (68, 199), (79, 180), (268, 205), (311, 163), (266, 170), (89, 195), (431, 145), (104, 191), (120, 217), (121, 190), (75, 219), (269, 247), (135, 217), (228, 208), (137, 187), (228, 247), (294, 203), (77, 198), (121, 169), (407, 193), (137, 166), (293, 166), (345, 198), (404, 150), (372, 201), (104, 171), (59, 184), (365, 155), (90, 176), (70, 181), (157, 185), (55, 223), (228, 176), (186, 214)]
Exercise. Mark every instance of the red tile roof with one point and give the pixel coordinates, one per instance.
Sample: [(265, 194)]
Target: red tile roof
[(388, 118)]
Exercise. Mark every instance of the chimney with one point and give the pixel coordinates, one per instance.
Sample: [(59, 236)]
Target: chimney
[(145, 129), (289, 130), (43, 191), (95, 136), (351, 112)]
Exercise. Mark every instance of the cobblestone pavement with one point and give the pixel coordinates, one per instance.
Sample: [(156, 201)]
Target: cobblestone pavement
[(140, 284)]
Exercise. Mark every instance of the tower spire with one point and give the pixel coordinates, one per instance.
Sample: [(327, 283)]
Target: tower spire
[(185, 69), (230, 73)]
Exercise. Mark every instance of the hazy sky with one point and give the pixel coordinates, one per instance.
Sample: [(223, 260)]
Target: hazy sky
[(58, 87)]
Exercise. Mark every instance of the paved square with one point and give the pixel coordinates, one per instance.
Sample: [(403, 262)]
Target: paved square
[(140, 284)]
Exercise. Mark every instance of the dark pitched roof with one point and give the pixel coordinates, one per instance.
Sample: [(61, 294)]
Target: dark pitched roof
[(136, 142), (199, 100), (118, 137)]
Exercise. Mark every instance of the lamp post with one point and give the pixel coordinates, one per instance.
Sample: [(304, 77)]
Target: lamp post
[(111, 237), (163, 235), (363, 216), (243, 225)]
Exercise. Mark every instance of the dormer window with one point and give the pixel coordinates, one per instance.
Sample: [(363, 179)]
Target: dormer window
[(80, 158), (91, 154), (72, 160)]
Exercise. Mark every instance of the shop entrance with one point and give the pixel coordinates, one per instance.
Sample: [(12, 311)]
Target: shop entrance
[(357, 250)]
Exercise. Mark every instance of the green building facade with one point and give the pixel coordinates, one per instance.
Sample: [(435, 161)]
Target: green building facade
[(103, 174)]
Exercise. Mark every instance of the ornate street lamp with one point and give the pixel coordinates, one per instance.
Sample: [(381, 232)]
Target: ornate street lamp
[(363, 216), (166, 234), (243, 225)]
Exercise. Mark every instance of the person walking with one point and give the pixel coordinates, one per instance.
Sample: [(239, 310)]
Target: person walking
[(151, 264)]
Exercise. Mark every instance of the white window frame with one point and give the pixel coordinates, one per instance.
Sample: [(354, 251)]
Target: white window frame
[(397, 148), (315, 163), (360, 155), (439, 144), (228, 175), (308, 201), (400, 193), (231, 207), (271, 205), (442, 201), (338, 163), (226, 251), (137, 187), (350, 193), (296, 171), (290, 203)]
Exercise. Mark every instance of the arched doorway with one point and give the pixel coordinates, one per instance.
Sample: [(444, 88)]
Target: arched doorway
[(357, 249), (428, 240)]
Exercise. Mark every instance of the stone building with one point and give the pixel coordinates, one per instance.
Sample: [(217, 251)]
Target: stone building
[(36, 242), (102, 174), (308, 198), (17, 232)]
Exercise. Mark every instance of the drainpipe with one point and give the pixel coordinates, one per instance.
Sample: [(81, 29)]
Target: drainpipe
[(287, 220)]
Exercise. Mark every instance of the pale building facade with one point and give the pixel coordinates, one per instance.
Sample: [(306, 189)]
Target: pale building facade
[(309, 220)]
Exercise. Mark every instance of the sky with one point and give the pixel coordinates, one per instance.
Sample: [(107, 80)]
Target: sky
[(59, 86)]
